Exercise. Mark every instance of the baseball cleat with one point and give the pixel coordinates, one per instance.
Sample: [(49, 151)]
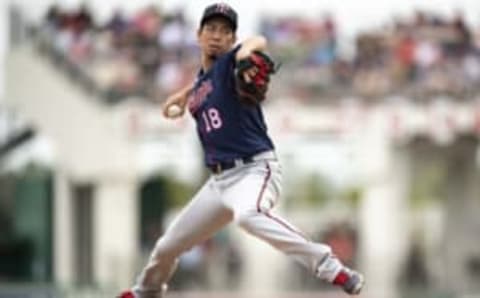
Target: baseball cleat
[(351, 281), (126, 294)]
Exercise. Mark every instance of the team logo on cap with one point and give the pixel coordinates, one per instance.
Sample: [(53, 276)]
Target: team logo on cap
[(222, 8)]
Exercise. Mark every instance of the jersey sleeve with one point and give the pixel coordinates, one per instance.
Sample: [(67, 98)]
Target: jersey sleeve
[(235, 50), (230, 56), (224, 67)]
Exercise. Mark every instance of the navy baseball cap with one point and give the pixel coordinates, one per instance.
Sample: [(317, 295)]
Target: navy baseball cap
[(220, 10)]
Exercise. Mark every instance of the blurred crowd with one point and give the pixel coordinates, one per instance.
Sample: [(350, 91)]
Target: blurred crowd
[(150, 54), (147, 55), (420, 56)]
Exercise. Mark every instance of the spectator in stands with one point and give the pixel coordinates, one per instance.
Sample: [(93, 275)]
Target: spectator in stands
[(147, 54)]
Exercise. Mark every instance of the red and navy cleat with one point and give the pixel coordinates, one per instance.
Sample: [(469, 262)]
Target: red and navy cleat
[(350, 281)]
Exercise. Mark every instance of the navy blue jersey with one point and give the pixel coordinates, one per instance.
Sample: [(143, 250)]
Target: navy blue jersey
[(227, 128)]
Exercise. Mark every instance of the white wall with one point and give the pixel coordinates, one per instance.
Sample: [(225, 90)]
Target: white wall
[(3, 46)]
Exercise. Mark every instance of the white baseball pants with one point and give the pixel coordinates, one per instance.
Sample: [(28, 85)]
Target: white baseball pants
[(245, 194)]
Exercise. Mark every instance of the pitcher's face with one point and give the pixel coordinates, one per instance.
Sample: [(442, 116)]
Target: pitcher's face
[(216, 37)]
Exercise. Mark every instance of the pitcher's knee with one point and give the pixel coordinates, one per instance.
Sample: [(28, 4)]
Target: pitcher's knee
[(246, 220)]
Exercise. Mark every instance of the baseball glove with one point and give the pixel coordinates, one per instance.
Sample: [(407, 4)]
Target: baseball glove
[(254, 92)]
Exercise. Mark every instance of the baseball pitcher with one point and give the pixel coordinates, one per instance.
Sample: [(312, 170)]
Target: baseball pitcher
[(245, 182)]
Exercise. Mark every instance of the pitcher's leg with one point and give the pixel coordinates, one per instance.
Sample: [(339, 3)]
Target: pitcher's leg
[(199, 220), (316, 257), (252, 198)]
